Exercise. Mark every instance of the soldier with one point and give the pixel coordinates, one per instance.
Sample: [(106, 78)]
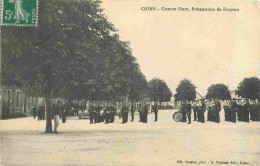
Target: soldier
[(182, 110), (247, 110), (107, 113), (155, 111), (217, 110), (63, 113), (254, 113), (210, 112), (233, 110), (132, 111), (112, 112), (91, 113), (188, 111), (124, 111), (227, 111), (97, 113), (145, 112), (34, 111), (42, 112), (202, 109), (195, 111), (39, 112)]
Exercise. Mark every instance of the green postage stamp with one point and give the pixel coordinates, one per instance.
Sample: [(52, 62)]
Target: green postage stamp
[(19, 12)]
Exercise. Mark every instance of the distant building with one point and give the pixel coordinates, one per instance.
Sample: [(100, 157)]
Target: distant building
[(17, 100)]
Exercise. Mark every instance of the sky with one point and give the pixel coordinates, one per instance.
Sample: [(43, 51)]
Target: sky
[(205, 47)]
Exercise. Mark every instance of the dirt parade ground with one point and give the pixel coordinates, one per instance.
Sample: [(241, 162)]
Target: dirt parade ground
[(166, 142)]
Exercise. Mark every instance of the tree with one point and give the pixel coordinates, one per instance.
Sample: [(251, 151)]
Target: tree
[(249, 88), (218, 91), (185, 91), (158, 90), (74, 53)]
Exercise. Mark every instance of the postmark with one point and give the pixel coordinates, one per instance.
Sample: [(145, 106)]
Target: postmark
[(19, 12)]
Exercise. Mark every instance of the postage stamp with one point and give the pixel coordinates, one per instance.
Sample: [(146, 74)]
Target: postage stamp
[(19, 12)]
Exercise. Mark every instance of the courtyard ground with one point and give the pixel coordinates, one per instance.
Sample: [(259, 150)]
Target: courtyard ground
[(166, 142)]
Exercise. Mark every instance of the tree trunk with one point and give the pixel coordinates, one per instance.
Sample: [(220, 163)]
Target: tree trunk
[(48, 99)]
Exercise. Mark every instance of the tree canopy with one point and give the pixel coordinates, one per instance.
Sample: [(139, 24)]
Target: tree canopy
[(249, 88), (158, 90), (218, 91), (185, 91), (74, 53)]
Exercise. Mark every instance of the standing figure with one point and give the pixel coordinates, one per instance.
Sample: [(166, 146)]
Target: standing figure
[(188, 111), (91, 113), (182, 110), (124, 111), (112, 113), (39, 112), (195, 112), (247, 111), (202, 109), (145, 112), (155, 111), (63, 114), (233, 111), (34, 111), (217, 110), (132, 111)]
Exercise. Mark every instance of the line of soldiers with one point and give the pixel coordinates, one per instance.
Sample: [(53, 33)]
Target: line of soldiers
[(242, 110), (199, 107), (58, 108), (100, 112), (106, 111), (39, 112), (214, 107)]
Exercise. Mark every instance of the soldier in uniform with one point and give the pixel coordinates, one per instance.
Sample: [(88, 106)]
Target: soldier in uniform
[(227, 110), (247, 110), (124, 111), (202, 109), (210, 112), (188, 111), (195, 111), (145, 112), (233, 111), (217, 110), (39, 112), (63, 113), (182, 110), (91, 113), (106, 110), (112, 109), (34, 111), (155, 111)]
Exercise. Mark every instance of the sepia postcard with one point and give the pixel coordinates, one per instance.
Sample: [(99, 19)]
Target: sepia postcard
[(130, 83)]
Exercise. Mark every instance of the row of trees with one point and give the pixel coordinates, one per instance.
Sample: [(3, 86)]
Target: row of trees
[(74, 53), (248, 88)]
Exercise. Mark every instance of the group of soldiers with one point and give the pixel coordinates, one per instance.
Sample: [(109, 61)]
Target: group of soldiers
[(241, 110), (100, 112), (106, 111), (39, 112), (58, 108)]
